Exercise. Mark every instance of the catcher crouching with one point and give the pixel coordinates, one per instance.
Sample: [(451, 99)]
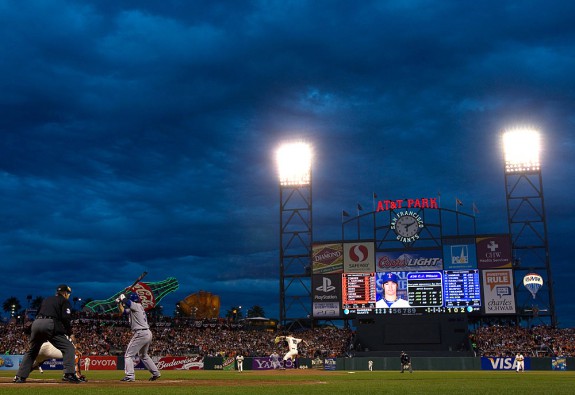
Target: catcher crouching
[(48, 351)]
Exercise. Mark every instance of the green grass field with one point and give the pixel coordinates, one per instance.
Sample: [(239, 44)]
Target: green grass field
[(301, 382)]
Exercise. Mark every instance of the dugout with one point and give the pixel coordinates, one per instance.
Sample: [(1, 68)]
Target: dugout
[(419, 335)]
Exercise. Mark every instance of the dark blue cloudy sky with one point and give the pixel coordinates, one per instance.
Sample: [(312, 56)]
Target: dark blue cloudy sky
[(140, 135)]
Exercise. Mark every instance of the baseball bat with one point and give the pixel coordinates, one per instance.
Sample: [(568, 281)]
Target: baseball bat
[(137, 281)]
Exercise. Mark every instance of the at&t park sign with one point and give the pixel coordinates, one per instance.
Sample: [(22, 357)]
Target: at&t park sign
[(385, 205), (407, 223)]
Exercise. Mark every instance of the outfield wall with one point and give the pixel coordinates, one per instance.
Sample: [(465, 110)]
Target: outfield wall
[(12, 362), (389, 363), (418, 363)]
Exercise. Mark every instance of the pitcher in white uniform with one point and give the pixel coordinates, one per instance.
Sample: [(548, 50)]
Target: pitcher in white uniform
[(293, 352)]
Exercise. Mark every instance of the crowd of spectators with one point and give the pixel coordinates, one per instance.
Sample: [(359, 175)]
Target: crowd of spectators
[(537, 341), (110, 336)]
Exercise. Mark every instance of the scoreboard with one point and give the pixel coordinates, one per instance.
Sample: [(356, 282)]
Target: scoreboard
[(425, 289), (358, 291), (461, 288), (439, 291)]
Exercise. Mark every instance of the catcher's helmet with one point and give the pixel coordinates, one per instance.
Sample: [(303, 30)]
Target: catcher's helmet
[(134, 297)]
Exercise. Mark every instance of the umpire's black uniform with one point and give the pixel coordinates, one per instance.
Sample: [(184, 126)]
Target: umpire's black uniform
[(405, 361), (52, 323)]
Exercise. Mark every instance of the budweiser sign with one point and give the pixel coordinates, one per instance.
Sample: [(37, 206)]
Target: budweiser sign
[(180, 363)]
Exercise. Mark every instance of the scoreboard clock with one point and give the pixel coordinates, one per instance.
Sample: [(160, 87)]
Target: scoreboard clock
[(407, 225)]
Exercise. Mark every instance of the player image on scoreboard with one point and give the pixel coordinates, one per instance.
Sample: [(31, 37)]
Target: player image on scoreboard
[(391, 290), (411, 292)]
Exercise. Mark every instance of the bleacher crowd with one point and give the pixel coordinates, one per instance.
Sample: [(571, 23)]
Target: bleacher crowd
[(537, 341), (109, 335)]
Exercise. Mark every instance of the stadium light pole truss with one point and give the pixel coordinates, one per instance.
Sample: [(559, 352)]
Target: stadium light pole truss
[(294, 162), (527, 220)]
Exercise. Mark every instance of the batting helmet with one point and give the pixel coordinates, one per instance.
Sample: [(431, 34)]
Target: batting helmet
[(134, 297)]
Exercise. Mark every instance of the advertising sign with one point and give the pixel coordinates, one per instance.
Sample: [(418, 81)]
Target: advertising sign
[(409, 261), (559, 363), (330, 363), (459, 253), (326, 310), (502, 363), (533, 282), (265, 363), (10, 362), (327, 258), (358, 257), (94, 362), (498, 296), (494, 252), (326, 291), (52, 364), (228, 364), (195, 362)]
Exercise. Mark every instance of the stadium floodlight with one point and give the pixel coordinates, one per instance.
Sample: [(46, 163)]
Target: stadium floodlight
[(521, 148), (294, 164)]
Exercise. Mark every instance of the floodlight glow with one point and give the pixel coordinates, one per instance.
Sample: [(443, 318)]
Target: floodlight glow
[(521, 148), (294, 164)]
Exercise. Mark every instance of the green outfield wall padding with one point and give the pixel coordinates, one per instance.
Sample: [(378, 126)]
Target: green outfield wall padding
[(433, 363)]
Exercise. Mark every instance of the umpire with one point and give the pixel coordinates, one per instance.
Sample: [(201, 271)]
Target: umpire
[(53, 324)]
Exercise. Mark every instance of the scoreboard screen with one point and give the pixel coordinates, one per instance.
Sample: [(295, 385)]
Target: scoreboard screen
[(439, 291), (424, 289), (461, 288), (358, 291)]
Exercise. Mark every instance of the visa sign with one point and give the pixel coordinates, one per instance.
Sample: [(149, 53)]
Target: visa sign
[(502, 363)]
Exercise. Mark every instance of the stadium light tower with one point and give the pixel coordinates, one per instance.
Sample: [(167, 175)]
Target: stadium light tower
[(294, 164), (527, 221), (522, 149)]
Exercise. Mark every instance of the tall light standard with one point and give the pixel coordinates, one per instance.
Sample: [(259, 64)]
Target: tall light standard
[(526, 218), (294, 165)]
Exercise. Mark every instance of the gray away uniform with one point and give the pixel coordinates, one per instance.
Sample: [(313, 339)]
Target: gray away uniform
[(141, 340)]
